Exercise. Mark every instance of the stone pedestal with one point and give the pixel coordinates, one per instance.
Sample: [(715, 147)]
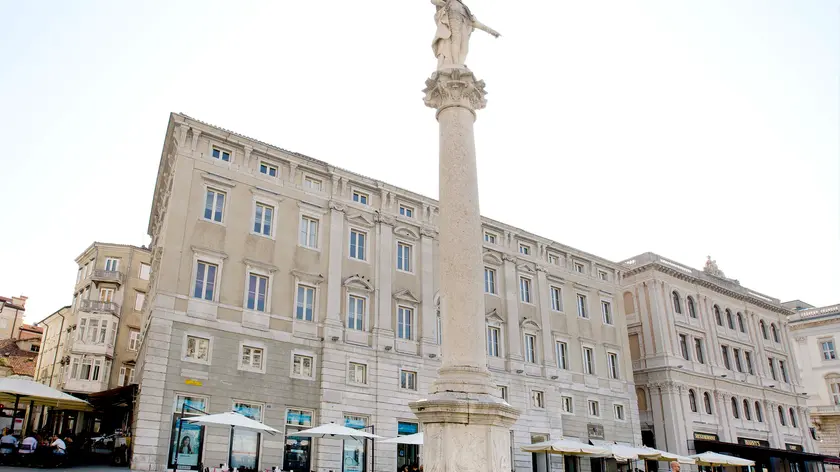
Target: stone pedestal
[(466, 425)]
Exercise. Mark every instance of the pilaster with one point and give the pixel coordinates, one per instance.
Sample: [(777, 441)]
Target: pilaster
[(549, 359), (384, 329), (514, 335), (336, 252), (427, 293)]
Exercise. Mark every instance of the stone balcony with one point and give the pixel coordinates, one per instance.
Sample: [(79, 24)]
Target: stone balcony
[(113, 276), (93, 348), (95, 306), (827, 410)]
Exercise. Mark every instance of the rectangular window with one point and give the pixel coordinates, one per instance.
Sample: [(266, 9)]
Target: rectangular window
[(312, 183), (221, 154), (772, 363), (503, 392), (145, 271), (405, 322), (133, 340), (606, 310), (406, 211), (489, 280), (358, 373), (97, 369), (263, 216), (252, 357), (530, 348), (198, 349), (556, 299), (121, 378), (828, 352), (131, 371), (214, 205), (257, 292), (568, 404), (724, 350), (588, 361), (835, 392), (358, 244), (525, 289), (103, 328), (603, 276), (736, 353), (538, 399), (748, 359), (93, 330), (87, 366), (553, 259), (106, 294), (524, 249), (684, 347), (619, 412), (698, 351), (562, 355), (581, 306), (308, 232), (356, 313), (205, 280), (489, 237), (305, 302), (404, 257), (408, 380), (612, 365), (360, 197), (783, 371), (81, 334), (579, 267), (139, 299), (302, 365), (594, 408), (111, 264), (268, 169), (493, 341)]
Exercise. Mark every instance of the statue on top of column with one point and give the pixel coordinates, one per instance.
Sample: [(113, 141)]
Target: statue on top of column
[(455, 24)]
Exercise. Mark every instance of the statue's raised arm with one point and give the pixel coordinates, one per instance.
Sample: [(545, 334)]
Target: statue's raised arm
[(455, 23)]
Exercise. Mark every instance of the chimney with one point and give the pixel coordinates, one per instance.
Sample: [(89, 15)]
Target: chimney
[(19, 301)]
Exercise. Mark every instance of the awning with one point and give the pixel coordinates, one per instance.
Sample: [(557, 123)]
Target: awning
[(567, 446), (336, 431), (760, 453), (234, 420), (416, 439), (24, 390), (714, 458)]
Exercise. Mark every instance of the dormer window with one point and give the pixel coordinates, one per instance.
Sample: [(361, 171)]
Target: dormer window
[(221, 154)]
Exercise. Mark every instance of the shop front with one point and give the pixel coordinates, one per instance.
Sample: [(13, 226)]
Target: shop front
[(297, 451), (407, 454), (767, 459)]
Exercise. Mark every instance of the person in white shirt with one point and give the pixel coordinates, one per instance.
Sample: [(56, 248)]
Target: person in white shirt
[(8, 443), (28, 445), (59, 447)]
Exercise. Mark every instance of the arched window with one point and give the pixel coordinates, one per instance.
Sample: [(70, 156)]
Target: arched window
[(747, 414), (677, 305), (775, 332), (735, 412), (641, 399), (717, 316), (707, 402), (692, 400), (729, 319), (692, 310), (741, 322), (758, 416), (763, 328), (792, 417), (782, 417)]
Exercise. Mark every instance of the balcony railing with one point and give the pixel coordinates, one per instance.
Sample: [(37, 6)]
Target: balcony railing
[(100, 275), (95, 306), (826, 410)]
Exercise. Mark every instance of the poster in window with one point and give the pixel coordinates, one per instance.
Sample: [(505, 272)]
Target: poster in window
[(354, 449), (187, 447)]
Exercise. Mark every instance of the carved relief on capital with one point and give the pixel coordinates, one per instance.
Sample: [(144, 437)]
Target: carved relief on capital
[(428, 232), (337, 206), (180, 134), (508, 258), (384, 219), (454, 88), (195, 135)]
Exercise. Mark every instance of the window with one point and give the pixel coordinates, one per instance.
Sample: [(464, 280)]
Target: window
[(538, 399), (792, 413), (493, 341), (489, 237), (214, 205), (257, 292), (139, 298), (405, 320), (87, 366), (718, 319), (205, 280), (692, 400), (145, 271), (606, 311), (106, 294), (312, 183), (263, 215), (772, 363), (736, 353), (588, 361), (356, 313), (268, 169), (489, 280), (568, 404), (302, 366), (747, 413), (305, 302), (603, 276), (530, 348), (782, 416), (692, 309), (404, 257), (408, 380), (503, 392), (524, 249), (579, 267), (724, 350), (763, 328), (406, 211), (594, 408), (774, 332), (783, 371), (698, 351), (684, 347), (198, 349), (677, 303), (556, 298), (612, 365), (82, 323), (735, 412), (360, 197), (358, 244), (758, 416), (835, 392), (357, 373), (553, 259), (308, 232), (221, 154), (93, 330), (562, 355), (828, 352), (729, 320), (581, 306), (618, 411), (111, 264), (741, 326), (525, 289), (707, 402), (133, 340), (748, 360), (252, 358)]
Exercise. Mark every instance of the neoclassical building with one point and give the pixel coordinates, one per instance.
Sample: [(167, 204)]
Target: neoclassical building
[(713, 364), (299, 293)]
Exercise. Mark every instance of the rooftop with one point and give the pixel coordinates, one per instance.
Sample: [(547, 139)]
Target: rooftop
[(21, 362)]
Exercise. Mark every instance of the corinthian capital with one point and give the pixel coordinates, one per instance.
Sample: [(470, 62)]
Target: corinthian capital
[(454, 87)]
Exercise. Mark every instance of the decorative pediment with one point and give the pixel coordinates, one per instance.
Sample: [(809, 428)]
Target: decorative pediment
[(260, 265), (491, 257), (307, 277), (407, 232), (218, 180), (526, 267), (555, 278), (493, 317), (358, 282), (582, 287), (405, 295), (529, 323), (360, 219)]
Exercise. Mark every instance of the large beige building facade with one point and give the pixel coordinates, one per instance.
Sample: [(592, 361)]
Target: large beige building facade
[(299, 293), (12, 311)]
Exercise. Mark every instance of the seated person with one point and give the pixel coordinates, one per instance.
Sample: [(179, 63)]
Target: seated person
[(28, 445), (59, 447), (8, 443)]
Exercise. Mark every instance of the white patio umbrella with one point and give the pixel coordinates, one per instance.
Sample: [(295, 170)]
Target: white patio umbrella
[(16, 389), (625, 452), (666, 456), (234, 420), (714, 458), (416, 439), (332, 430), (568, 447)]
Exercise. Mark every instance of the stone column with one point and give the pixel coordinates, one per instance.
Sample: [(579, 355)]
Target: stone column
[(466, 426)]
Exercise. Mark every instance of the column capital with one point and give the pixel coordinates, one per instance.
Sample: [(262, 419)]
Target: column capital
[(428, 232), (454, 87), (337, 206)]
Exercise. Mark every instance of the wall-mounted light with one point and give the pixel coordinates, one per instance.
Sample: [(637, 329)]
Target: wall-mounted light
[(432, 356), (334, 338), (554, 377), (388, 348), (519, 371)]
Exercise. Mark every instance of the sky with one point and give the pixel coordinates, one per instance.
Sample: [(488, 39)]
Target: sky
[(679, 127)]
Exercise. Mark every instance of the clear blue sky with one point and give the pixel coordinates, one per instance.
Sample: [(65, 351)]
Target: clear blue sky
[(681, 127)]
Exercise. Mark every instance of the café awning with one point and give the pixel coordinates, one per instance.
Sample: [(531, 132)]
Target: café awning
[(24, 390)]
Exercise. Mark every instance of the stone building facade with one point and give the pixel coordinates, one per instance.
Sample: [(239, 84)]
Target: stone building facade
[(299, 294), (816, 334), (712, 359), (12, 311), (48, 371)]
